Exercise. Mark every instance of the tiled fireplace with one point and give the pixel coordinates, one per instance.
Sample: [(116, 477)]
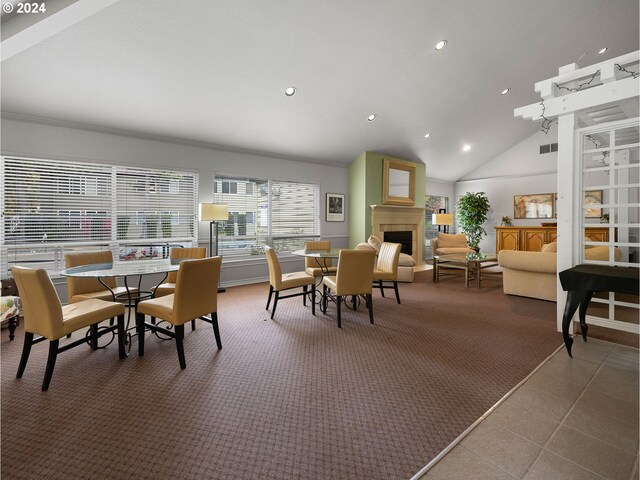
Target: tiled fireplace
[(391, 218)]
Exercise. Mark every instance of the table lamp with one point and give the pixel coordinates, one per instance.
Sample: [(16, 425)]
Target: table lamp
[(445, 219), (213, 213)]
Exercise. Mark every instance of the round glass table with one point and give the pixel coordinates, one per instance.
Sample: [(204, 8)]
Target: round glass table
[(136, 268)]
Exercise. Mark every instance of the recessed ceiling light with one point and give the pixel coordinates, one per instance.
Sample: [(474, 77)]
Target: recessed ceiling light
[(441, 44), (290, 91), (427, 135), (371, 117), (466, 148), (505, 91), (602, 50)]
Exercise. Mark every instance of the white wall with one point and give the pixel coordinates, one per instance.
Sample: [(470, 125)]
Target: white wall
[(53, 141), (518, 171), (522, 159), (440, 187)]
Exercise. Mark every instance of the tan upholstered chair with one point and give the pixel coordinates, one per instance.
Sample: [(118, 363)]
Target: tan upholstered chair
[(195, 296), (79, 289), (44, 315), (406, 263), (318, 266), (279, 282), (447, 243), (169, 285), (387, 268), (354, 277)]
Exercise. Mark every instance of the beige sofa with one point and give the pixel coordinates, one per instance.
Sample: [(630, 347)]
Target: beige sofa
[(446, 244), (533, 274), (405, 263)]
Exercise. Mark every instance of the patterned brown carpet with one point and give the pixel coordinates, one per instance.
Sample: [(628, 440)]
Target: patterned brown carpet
[(290, 398)]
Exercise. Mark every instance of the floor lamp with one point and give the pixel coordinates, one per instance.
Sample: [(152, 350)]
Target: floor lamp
[(445, 219), (213, 213)]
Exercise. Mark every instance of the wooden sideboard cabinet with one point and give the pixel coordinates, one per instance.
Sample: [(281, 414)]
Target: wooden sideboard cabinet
[(531, 238)]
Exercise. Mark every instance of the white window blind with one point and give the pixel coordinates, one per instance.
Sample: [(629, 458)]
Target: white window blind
[(55, 201), (155, 205), (52, 206), (266, 212)]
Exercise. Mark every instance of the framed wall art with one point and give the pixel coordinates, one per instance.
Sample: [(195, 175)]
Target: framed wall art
[(592, 197), (335, 207), (539, 205)]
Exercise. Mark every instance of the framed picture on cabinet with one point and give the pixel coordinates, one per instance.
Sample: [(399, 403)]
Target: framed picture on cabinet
[(335, 207)]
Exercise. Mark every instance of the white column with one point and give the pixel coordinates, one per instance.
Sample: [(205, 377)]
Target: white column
[(568, 203)]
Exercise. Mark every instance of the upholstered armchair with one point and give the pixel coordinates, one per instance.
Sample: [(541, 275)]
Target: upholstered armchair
[(446, 243), (10, 311), (405, 262), (386, 270)]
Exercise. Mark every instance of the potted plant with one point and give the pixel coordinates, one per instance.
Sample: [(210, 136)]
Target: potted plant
[(506, 221), (472, 209), (604, 218)]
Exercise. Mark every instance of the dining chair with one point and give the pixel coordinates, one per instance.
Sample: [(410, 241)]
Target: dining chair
[(386, 269), (195, 297), (79, 289), (318, 267), (279, 282), (353, 278), (169, 285), (44, 315)]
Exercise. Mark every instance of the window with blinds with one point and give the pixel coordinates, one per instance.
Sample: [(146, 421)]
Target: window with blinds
[(266, 212), (53, 206)]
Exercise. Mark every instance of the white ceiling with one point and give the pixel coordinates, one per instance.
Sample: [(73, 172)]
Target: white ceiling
[(215, 71)]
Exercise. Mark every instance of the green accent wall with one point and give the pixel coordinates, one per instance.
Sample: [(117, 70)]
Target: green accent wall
[(365, 189)]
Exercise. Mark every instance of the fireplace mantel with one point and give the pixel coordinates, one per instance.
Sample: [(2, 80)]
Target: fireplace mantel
[(392, 218)]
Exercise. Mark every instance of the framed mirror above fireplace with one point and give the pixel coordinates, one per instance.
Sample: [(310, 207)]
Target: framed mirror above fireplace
[(398, 182)]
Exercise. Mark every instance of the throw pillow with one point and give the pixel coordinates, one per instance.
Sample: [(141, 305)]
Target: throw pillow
[(550, 247), (374, 242)]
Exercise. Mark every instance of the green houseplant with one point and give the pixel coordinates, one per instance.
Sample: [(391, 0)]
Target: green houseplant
[(472, 209)]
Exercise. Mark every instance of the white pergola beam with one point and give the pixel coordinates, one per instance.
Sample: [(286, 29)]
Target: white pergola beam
[(571, 73), (51, 25), (583, 99)]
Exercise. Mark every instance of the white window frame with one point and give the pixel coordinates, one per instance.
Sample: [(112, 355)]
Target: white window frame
[(89, 200), (243, 247)]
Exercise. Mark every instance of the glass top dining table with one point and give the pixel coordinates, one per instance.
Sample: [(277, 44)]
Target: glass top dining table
[(332, 253), (122, 269), (135, 268)]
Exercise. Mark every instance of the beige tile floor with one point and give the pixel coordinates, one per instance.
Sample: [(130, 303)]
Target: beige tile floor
[(574, 418)]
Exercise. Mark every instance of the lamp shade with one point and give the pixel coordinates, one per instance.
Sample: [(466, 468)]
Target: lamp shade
[(442, 219), (211, 212)]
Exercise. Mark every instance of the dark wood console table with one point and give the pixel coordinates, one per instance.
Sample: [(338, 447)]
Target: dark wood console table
[(582, 281)]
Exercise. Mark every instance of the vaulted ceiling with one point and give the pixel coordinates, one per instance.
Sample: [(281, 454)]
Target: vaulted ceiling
[(215, 71)]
